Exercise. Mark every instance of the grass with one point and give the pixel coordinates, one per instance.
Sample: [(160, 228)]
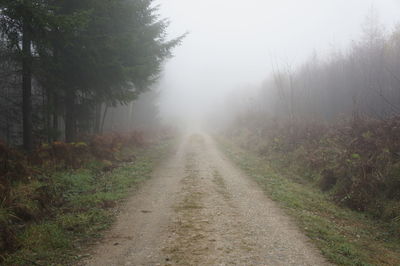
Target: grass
[(221, 185), (344, 237), (88, 198), (189, 228)]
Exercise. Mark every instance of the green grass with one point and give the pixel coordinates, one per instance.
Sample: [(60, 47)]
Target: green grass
[(86, 208), (344, 237)]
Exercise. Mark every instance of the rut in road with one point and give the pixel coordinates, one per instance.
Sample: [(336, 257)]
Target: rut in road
[(199, 209)]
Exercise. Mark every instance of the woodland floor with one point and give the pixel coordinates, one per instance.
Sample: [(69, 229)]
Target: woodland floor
[(199, 209)]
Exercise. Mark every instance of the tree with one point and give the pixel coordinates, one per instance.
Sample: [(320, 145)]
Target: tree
[(16, 23), (82, 56), (111, 59), (22, 23)]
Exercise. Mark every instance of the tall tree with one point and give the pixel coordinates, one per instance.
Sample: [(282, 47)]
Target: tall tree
[(110, 59), (26, 18), (83, 55), (16, 22), (21, 22)]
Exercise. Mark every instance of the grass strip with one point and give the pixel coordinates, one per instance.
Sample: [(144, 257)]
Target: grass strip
[(345, 237), (88, 200)]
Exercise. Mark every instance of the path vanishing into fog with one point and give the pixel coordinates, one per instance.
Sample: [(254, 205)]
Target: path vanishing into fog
[(199, 209)]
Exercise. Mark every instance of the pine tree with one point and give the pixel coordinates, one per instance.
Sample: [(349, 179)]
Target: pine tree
[(84, 55)]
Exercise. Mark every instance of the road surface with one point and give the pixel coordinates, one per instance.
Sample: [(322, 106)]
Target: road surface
[(200, 209)]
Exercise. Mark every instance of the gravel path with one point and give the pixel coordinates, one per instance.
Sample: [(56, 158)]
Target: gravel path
[(199, 209)]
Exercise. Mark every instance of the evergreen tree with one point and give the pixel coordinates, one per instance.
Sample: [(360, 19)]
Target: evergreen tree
[(84, 55)]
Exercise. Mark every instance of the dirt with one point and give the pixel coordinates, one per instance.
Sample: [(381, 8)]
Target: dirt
[(200, 209)]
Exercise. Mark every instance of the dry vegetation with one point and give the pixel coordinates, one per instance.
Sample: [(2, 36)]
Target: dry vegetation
[(326, 135), (335, 122), (357, 162), (62, 191)]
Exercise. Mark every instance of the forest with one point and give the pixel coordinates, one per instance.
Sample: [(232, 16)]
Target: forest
[(65, 63), (335, 121), (66, 68)]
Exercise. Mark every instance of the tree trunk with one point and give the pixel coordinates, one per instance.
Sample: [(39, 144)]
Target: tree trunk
[(104, 119), (131, 123), (56, 102), (55, 117), (27, 82), (47, 103), (97, 122), (70, 119)]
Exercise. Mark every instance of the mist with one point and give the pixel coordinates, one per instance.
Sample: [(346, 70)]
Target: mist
[(188, 132), (233, 45)]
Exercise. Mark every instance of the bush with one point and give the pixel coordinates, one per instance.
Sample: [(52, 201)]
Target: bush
[(356, 161)]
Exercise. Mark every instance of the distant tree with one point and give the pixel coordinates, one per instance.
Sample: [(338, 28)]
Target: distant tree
[(364, 80)]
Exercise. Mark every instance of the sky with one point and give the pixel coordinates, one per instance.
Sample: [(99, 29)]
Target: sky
[(233, 44)]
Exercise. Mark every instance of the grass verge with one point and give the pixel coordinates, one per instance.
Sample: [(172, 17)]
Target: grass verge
[(89, 196), (344, 237)]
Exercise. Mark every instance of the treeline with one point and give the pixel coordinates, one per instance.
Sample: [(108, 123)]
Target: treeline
[(64, 63), (365, 80)]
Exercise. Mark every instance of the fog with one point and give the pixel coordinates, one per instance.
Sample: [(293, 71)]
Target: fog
[(233, 45)]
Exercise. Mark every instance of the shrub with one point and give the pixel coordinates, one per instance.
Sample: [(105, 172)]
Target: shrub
[(356, 161)]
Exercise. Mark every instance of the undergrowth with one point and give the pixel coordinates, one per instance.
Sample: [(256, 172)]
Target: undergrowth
[(356, 162), (344, 236), (56, 204), (342, 164)]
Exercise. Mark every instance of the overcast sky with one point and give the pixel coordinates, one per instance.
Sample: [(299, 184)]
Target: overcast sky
[(233, 43)]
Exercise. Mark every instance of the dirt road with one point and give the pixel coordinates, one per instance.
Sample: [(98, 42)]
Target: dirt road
[(199, 209)]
